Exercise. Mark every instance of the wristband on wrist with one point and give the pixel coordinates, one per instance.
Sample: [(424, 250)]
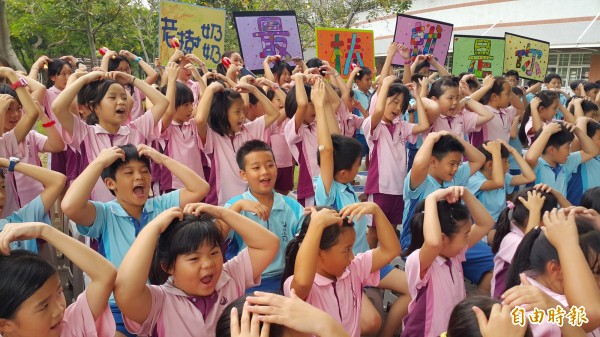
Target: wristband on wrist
[(407, 62), (138, 59), (49, 124)]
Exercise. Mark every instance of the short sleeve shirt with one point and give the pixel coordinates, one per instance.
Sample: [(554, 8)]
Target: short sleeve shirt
[(557, 176), (32, 212)]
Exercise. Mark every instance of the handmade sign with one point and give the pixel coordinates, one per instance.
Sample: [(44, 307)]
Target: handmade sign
[(263, 34), (344, 47), (423, 36), (527, 56), (199, 31), (478, 55)]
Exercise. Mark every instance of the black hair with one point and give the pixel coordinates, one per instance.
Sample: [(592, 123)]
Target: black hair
[(424, 64), (364, 71), (449, 216), (183, 94), (24, 273), (445, 145), (270, 94), (518, 215), (113, 65), (54, 68), (329, 238), (217, 117), (279, 68), (591, 199), (558, 139), (514, 73), (220, 67), (7, 90), (590, 245), (463, 322), (314, 63), (488, 156), (574, 84), (290, 101), (497, 89), (473, 83), (517, 91), (586, 106), (532, 82), (550, 77), (250, 146), (253, 99), (223, 328), (400, 89), (587, 86), (183, 237), (547, 98), (91, 94), (416, 77), (592, 128), (439, 87), (535, 251), (131, 154), (346, 151)]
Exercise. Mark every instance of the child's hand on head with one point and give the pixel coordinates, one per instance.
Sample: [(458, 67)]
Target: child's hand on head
[(403, 51), (510, 149), (412, 88), (248, 79), (42, 60), (420, 58), (560, 229), (172, 70), (164, 219), (325, 217), (500, 323), (190, 67), (493, 146), (463, 88), (19, 231), (6, 71), (194, 59), (543, 188), (233, 70), (249, 327), (318, 93), (355, 211), (299, 77), (535, 103), (255, 207), (488, 81), (528, 297), (127, 54), (5, 101), (177, 56), (587, 214), (535, 200), (570, 127), (70, 59), (94, 76), (198, 208), (265, 82), (388, 80), (152, 153), (551, 128), (110, 155), (216, 87), (120, 77), (451, 194), (312, 78), (245, 88), (328, 69)]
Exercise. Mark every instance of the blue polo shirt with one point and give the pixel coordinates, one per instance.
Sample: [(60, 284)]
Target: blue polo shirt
[(558, 176), (429, 185), (493, 200), (340, 196), (285, 221), (115, 229), (586, 176), (32, 212)]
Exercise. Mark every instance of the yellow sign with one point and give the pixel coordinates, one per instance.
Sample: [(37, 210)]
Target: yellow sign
[(200, 30), (575, 317), (529, 57)]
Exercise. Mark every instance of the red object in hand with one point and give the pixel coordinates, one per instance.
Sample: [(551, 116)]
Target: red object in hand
[(277, 58), (352, 66), (225, 61), (102, 50), (174, 42)]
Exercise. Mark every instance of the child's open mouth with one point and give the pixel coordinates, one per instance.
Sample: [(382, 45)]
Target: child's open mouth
[(56, 326), (265, 181), (206, 279), (138, 191), (121, 111)]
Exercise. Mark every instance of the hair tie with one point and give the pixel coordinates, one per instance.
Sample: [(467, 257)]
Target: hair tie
[(510, 205)]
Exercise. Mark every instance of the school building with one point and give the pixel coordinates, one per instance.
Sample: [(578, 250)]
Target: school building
[(571, 27)]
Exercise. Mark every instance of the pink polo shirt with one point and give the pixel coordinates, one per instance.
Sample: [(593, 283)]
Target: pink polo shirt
[(78, 320), (51, 95), (387, 147), (303, 144), (342, 299), (348, 121), (173, 314), (28, 151), (434, 296), (281, 151), (499, 126), (182, 144), (195, 88), (225, 180), (11, 200), (95, 138), (503, 258), (459, 124), (529, 126), (138, 100)]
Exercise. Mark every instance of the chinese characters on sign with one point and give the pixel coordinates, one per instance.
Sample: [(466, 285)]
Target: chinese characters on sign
[(423, 36), (527, 56), (342, 47), (477, 55), (575, 317)]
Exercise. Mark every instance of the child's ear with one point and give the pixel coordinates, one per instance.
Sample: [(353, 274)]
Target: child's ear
[(553, 268), (110, 183), (445, 240), (6, 327), (489, 164), (432, 161), (243, 175)]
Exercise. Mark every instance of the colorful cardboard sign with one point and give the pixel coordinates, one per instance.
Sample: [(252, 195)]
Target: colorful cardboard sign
[(200, 30), (478, 55), (263, 34), (526, 55), (344, 47), (423, 36)]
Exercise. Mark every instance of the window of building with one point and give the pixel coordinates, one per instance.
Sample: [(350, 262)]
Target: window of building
[(570, 66)]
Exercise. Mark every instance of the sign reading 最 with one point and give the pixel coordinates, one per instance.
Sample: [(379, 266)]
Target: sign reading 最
[(263, 34), (344, 47), (200, 31), (478, 55), (422, 36), (527, 56)]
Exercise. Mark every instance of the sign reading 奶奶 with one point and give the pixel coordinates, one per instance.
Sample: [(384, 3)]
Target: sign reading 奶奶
[(342, 47), (263, 34), (423, 36), (200, 30)]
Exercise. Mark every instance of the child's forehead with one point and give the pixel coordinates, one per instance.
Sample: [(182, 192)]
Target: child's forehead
[(133, 164), (258, 156)]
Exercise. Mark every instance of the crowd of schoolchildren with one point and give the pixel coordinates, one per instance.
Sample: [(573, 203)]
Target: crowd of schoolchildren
[(186, 185)]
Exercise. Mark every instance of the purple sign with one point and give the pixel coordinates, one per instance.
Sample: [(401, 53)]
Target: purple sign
[(263, 34), (423, 36)]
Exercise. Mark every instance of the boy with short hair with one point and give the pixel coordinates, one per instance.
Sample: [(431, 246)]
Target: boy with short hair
[(586, 175), (552, 82), (278, 213), (492, 182), (512, 76), (125, 171), (550, 154)]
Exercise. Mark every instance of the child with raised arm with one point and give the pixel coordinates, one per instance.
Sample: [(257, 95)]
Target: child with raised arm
[(442, 233), (551, 158), (278, 213), (586, 175), (126, 172), (109, 101), (33, 301), (192, 286), (37, 209)]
